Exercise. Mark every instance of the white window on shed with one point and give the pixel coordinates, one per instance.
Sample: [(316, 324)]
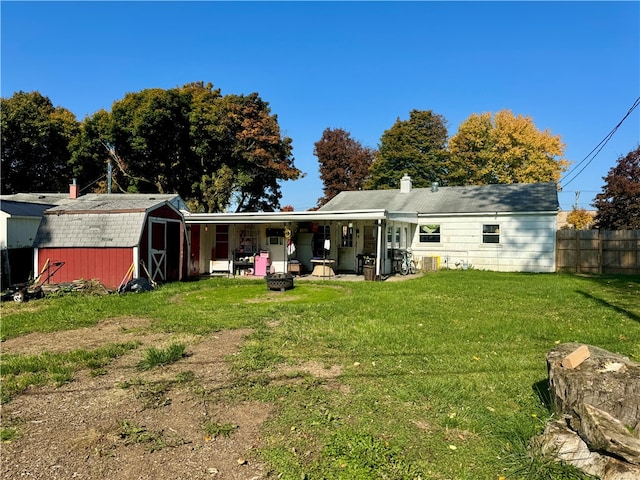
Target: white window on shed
[(490, 233)]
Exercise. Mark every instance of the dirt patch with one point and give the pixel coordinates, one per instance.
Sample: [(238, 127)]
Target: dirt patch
[(315, 369), (129, 424), (112, 330), (289, 374)]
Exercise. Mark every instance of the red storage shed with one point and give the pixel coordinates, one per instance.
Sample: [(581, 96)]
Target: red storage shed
[(102, 236)]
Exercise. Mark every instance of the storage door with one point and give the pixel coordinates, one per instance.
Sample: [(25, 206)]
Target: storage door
[(158, 250)]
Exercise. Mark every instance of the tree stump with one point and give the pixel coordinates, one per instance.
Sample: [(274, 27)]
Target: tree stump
[(599, 400), (608, 381)]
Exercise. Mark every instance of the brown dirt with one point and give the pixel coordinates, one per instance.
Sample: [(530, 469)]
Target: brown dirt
[(76, 430)]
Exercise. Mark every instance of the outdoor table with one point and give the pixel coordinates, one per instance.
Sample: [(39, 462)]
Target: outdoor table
[(322, 267)]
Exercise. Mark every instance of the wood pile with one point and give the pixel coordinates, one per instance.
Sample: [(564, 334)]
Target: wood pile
[(86, 287)]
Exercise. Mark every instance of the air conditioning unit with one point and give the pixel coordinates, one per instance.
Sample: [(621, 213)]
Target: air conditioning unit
[(430, 264)]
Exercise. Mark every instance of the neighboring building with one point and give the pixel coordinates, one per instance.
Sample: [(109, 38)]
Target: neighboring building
[(103, 236), (492, 227), (19, 223)]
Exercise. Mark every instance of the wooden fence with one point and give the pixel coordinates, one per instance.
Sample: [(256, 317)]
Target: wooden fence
[(598, 251)]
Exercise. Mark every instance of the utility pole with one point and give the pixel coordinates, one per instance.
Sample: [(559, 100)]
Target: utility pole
[(109, 171)]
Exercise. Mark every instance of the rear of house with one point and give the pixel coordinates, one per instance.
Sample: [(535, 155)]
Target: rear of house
[(490, 227)]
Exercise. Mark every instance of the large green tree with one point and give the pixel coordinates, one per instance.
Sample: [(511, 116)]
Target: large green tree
[(618, 206), (249, 155), (417, 146), (151, 134), (504, 148), (344, 162), (217, 152), (90, 154), (35, 143)]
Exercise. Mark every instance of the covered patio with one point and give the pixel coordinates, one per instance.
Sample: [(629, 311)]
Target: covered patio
[(311, 243)]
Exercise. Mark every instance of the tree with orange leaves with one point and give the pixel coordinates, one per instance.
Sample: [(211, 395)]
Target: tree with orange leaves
[(504, 148)]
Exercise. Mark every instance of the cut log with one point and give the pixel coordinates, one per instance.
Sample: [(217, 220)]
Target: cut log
[(563, 444), (603, 433)]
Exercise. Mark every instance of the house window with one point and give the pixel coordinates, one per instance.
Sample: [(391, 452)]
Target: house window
[(322, 241), (397, 242), (430, 233), (347, 235), (490, 233)]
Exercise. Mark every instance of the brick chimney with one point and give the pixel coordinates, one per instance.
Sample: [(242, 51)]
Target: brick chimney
[(74, 190)]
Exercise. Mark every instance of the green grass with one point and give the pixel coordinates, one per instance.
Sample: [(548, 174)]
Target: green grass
[(214, 429), (18, 372), (7, 434), (442, 376), (156, 357)]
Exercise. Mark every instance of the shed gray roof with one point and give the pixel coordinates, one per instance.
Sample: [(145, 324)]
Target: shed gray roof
[(516, 198), (99, 220), (90, 230), (23, 209), (115, 202)]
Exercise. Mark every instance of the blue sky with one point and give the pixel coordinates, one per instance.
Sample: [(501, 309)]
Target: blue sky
[(573, 67)]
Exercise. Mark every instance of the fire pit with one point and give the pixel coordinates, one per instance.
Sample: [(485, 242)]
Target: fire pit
[(279, 281)]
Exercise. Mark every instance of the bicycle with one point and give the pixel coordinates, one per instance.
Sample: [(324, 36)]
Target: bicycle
[(403, 262), (408, 265)]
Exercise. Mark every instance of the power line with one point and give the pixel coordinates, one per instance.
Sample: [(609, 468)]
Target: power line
[(598, 147)]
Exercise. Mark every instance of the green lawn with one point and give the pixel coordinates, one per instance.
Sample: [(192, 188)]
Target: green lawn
[(442, 376)]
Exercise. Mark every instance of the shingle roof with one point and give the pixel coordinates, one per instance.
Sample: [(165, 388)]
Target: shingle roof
[(99, 220), (114, 202), (118, 201), (40, 198), (90, 230), (23, 209), (520, 197)]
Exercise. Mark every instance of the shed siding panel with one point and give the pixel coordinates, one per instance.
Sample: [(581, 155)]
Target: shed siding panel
[(109, 265), (165, 212), (526, 243)]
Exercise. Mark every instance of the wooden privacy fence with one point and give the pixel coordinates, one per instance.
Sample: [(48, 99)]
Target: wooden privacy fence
[(598, 251)]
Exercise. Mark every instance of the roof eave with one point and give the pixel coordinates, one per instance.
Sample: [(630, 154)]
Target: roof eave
[(276, 217), (484, 214)]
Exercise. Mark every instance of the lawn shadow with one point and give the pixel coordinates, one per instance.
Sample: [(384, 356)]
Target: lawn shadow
[(541, 388), (630, 315)]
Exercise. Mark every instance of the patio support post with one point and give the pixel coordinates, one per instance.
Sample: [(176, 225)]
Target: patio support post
[(379, 248)]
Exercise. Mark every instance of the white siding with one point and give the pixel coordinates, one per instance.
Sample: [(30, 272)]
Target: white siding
[(18, 232), (3, 230), (527, 242)]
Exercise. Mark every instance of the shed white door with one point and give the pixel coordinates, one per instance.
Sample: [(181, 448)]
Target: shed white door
[(158, 250)]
